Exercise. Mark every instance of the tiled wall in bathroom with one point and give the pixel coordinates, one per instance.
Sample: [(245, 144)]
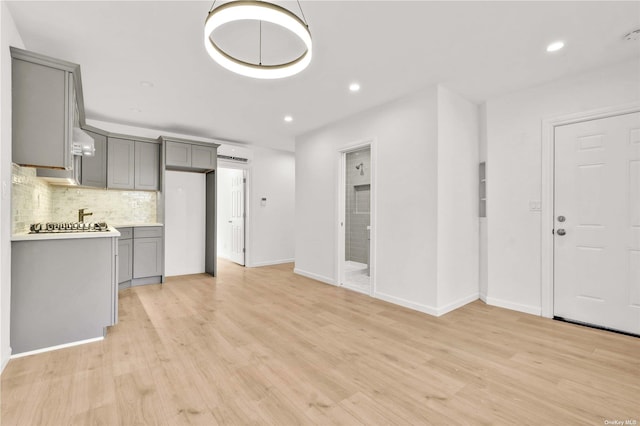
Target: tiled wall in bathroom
[(34, 200), (358, 203)]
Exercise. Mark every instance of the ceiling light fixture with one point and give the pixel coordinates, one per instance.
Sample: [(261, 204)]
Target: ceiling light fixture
[(146, 84), (257, 11), (555, 46), (288, 118), (354, 87)]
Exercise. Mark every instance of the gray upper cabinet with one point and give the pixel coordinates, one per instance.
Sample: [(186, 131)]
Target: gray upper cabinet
[(147, 167), (46, 93), (120, 163), (203, 157), (94, 169), (178, 154), (133, 164), (185, 155)]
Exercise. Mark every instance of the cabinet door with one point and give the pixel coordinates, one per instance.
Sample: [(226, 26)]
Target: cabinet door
[(94, 169), (125, 260), (203, 157), (41, 122), (120, 163), (147, 257), (147, 169), (178, 154)]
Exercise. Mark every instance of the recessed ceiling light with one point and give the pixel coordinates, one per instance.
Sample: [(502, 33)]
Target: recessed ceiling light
[(134, 109), (288, 118), (146, 84), (555, 46), (354, 87)]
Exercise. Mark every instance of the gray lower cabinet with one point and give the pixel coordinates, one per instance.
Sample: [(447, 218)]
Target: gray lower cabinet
[(125, 258), (141, 256), (94, 169), (133, 164), (62, 291)]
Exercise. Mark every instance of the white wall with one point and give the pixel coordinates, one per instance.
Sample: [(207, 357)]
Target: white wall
[(458, 224), (184, 223), (405, 187), (514, 124), (482, 156), (9, 36), (272, 175)]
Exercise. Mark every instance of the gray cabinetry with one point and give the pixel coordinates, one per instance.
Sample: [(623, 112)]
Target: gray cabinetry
[(178, 154), (203, 157), (94, 169), (125, 257), (120, 163), (133, 164), (141, 256), (147, 166), (46, 93), (189, 156), (62, 291)]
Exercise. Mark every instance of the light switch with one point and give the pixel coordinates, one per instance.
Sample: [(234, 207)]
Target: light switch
[(263, 201), (535, 206)]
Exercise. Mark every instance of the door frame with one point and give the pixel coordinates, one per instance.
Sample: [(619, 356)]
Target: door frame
[(547, 191), (341, 156), (246, 169)]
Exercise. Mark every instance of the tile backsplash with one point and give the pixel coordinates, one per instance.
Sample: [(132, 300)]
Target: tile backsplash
[(30, 199), (34, 200)]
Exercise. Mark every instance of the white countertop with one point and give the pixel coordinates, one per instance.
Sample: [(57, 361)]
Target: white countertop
[(112, 232), (133, 225)]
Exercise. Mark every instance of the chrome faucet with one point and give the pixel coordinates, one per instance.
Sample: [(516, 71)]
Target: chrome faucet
[(82, 214)]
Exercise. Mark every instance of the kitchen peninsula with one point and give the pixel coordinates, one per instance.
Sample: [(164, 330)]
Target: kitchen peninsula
[(64, 288)]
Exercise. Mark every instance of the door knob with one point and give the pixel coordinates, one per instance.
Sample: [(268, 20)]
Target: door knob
[(561, 232)]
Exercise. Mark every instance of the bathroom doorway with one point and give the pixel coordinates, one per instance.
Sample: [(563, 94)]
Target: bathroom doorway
[(355, 221)]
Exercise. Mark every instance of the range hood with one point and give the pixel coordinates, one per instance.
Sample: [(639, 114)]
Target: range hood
[(83, 145)]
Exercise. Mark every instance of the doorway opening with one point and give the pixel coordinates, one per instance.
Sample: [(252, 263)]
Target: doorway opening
[(232, 214), (356, 182)]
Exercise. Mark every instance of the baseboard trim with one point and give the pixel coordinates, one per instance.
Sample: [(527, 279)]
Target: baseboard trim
[(313, 276), (55, 348), (271, 262), (457, 304), (527, 309), (483, 297), (5, 360), (406, 303)]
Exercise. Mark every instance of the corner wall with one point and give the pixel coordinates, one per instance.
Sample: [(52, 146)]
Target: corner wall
[(404, 191), (9, 36), (514, 179), (425, 190), (458, 223)]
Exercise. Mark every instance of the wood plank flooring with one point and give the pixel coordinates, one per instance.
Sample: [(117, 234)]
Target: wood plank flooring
[(265, 346)]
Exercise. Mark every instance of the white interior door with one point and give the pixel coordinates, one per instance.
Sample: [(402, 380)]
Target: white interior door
[(231, 214), (597, 222), (236, 218)]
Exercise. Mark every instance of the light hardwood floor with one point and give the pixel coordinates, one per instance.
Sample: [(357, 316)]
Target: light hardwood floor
[(265, 346)]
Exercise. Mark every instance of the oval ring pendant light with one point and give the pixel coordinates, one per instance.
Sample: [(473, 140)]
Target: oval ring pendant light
[(257, 11)]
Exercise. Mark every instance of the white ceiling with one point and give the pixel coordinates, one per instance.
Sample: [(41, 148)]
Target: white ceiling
[(478, 49)]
